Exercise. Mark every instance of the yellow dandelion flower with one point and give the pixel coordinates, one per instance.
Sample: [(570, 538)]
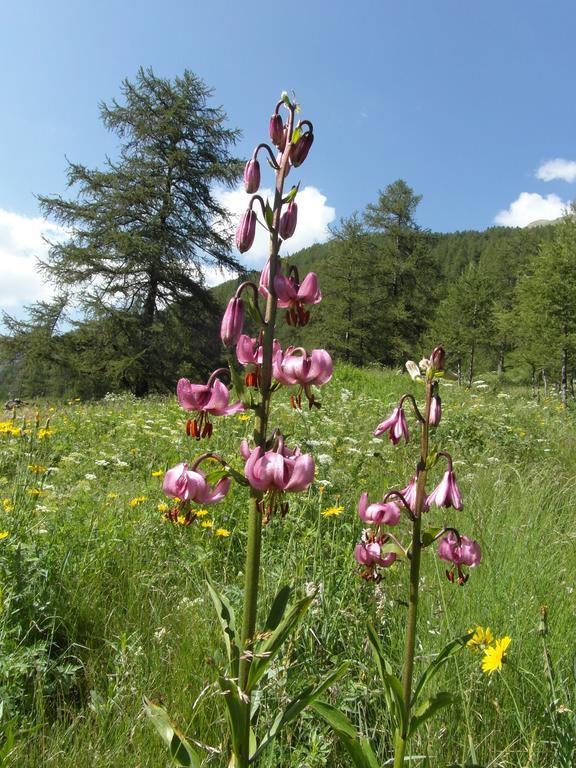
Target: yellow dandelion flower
[(207, 523), (4, 535), (35, 491), (182, 520), (243, 417), (201, 512), (221, 532), (158, 473), (44, 432), (137, 500), (332, 511), (481, 638), (495, 655), (112, 495), (163, 507), (7, 505), (36, 469)]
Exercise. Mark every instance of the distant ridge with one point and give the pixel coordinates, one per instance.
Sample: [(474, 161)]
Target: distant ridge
[(542, 222)]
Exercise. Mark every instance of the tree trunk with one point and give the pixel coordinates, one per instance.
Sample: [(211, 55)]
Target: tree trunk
[(544, 381), (533, 378), (501, 362), (142, 384), (459, 371), (471, 365), (564, 378)]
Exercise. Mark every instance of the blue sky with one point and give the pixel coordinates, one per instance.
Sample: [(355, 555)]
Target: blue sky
[(464, 100)]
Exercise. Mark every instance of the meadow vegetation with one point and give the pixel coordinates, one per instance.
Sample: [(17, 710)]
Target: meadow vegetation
[(104, 600)]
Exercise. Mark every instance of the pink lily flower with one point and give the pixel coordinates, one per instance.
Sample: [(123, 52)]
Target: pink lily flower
[(395, 425), (381, 513), (459, 550), (281, 469), (409, 494), (190, 485), (295, 366), (249, 352), (446, 493), (369, 554), (211, 399)]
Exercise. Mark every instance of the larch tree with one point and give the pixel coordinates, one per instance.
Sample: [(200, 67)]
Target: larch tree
[(145, 227)]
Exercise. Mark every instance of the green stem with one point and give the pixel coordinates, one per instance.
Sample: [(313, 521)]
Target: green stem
[(414, 584), (253, 546)]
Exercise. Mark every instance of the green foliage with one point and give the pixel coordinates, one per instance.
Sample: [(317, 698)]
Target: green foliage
[(142, 232)]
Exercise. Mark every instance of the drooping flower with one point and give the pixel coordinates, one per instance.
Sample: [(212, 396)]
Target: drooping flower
[(190, 485), (232, 322), (368, 553), (279, 469), (495, 655), (252, 176), (211, 399), (250, 353), (293, 295), (296, 366), (246, 231), (459, 550), (396, 426), (446, 493), (288, 221), (380, 513)]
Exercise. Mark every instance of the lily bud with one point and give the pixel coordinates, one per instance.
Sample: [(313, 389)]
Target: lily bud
[(232, 322), (435, 411), (276, 130), (252, 176), (437, 358), (299, 151), (246, 231), (288, 221)]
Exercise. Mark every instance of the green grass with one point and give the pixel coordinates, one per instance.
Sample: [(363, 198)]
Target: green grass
[(103, 602)]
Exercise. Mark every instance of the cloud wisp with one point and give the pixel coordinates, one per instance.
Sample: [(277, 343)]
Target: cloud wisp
[(21, 245), (529, 207), (557, 169)]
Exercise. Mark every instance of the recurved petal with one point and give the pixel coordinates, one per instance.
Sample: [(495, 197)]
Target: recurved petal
[(302, 474)]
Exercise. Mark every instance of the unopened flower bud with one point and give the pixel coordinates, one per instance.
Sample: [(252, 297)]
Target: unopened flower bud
[(299, 151), (437, 358), (252, 176), (232, 322), (246, 231), (288, 221), (276, 129), (435, 411)]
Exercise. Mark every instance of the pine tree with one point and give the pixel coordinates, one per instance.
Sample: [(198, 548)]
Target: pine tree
[(144, 228)]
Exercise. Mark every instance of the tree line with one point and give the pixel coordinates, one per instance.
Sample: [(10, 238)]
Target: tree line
[(132, 311)]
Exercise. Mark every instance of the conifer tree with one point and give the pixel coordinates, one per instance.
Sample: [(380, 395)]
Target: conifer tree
[(144, 228)]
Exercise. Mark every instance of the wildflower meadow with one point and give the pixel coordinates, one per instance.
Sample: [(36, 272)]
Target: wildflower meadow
[(293, 562)]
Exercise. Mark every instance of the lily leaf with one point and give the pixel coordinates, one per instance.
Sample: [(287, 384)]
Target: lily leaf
[(429, 535), (268, 649), (392, 686), (236, 710), (295, 707), (428, 708), (435, 664), (357, 747), (180, 749), (268, 215), (227, 622), (278, 608)]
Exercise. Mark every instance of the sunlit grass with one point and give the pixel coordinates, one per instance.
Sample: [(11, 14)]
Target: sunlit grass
[(104, 600)]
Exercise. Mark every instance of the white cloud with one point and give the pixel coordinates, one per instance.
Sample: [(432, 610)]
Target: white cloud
[(314, 216), (557, 169), (529, 207), (21, 243)]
